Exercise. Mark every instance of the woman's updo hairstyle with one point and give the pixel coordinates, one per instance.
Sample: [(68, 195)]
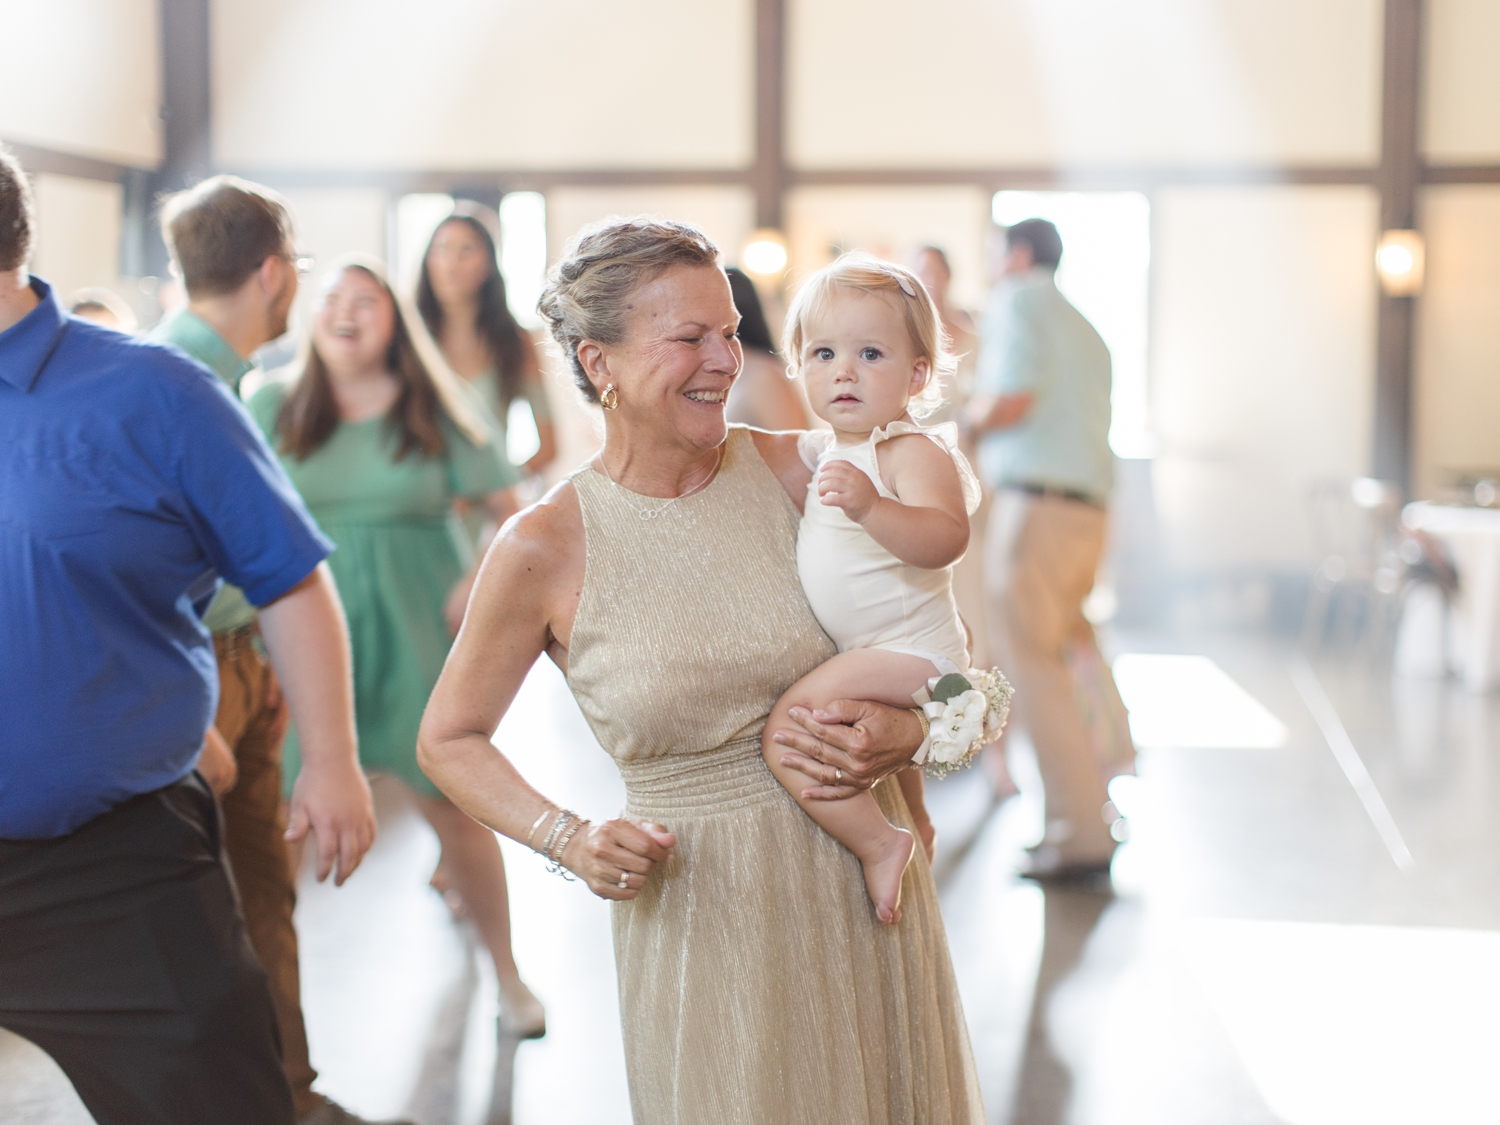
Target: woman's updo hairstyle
[(587, 292)]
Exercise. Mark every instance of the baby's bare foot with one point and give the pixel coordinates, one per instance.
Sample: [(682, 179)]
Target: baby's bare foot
[(883, 874)]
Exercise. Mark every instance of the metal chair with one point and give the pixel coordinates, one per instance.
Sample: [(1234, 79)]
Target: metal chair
[(1357, 535)]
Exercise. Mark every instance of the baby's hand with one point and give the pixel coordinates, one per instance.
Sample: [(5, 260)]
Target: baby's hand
[(841, 485)]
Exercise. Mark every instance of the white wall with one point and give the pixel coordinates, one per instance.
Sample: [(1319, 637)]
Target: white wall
[(1262, 365), (82, 76), (1457, 425), (1461, 104), (725, 214), (77, 234), (457, 84), (1038, 82), (891, 223)]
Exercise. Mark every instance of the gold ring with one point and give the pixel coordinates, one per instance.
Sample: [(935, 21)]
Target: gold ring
[(838, 774), (624, 876)]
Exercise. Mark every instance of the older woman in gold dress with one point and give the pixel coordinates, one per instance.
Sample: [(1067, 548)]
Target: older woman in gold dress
[(755, 983)]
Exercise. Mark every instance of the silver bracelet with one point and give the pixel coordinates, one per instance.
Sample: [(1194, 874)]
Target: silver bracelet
[(535, 825), (556, 866), (563, 816)]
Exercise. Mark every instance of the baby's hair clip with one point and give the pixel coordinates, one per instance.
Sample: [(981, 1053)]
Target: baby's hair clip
[(905, 285)]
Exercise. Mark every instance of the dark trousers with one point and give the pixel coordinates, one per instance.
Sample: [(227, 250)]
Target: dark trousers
[(124, 957)]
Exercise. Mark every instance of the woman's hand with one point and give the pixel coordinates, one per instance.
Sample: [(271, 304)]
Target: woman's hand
[(841, 485), (604, 855), (849, 746)]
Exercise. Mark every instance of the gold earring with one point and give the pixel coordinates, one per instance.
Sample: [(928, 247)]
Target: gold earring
[(610, 398)]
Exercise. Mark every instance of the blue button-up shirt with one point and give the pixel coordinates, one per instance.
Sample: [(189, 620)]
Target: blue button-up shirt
[(131, 483), (1036, 342)]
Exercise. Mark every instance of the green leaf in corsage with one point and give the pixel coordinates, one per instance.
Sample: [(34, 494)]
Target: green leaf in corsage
[(949, 686)]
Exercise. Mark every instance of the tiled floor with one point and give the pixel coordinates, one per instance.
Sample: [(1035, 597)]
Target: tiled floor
[(1262, 959)]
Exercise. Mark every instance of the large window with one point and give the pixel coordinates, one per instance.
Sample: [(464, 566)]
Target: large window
[(1105, 273)]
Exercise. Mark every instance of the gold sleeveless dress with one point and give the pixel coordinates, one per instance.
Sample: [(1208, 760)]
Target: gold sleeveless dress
[(756, 985)]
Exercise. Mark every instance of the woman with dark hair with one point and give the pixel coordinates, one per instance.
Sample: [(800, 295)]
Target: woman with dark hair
[(762, 396), (461, 296), (382, 440)]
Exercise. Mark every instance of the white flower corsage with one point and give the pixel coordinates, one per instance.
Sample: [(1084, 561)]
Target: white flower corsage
[(964, 714)]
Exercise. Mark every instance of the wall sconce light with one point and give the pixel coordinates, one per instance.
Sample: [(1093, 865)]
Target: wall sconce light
[(764, 254), (1401, 262)]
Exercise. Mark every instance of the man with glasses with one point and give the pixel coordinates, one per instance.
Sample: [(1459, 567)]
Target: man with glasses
[(234, 248)]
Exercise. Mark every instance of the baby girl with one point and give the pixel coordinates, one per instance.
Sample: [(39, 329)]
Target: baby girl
[(887, 516)]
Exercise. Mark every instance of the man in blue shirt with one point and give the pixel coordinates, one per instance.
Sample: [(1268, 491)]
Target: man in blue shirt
[(1041, 412), (131, 484)]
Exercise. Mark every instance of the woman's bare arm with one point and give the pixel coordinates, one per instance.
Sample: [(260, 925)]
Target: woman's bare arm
[(779, 452), (523, 605)]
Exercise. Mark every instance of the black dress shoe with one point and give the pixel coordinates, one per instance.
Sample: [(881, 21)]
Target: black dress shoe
[(1043, 864)]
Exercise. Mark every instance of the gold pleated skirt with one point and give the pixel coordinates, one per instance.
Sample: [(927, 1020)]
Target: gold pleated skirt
[(756, 985)]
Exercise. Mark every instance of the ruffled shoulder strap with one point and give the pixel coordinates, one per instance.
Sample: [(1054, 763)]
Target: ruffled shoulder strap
[(812, 444), (946, 436)]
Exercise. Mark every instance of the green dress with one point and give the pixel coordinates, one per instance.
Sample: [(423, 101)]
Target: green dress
[(399, 552), (486, 387)]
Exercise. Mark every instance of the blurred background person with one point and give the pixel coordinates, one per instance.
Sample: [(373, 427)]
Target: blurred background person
[(762, 395), (461, 296), (103, 307), (233, 247), (930, 263), (1041, 412), (381, 441)]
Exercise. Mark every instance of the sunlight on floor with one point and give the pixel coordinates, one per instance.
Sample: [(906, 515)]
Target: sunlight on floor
[(1189, 702), (1357, 1025)]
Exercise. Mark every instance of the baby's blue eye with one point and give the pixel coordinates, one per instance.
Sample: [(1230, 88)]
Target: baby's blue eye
[(825, 354), (870, 355)]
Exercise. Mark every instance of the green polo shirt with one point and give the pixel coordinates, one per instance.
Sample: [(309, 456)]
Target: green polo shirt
[(1036, 342), (230, 610)]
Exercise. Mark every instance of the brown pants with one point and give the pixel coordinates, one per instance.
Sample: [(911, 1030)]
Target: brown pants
[(252, 717), (1041, 553)]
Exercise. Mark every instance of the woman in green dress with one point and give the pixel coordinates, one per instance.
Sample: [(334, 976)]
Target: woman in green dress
[(461, 296), (383, 441)]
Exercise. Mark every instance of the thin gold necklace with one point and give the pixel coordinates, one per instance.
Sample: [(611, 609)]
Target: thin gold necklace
[(652, 513)]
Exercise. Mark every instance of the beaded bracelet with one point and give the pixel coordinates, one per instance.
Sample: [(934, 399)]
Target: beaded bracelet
[(561, 846), (563, 816)]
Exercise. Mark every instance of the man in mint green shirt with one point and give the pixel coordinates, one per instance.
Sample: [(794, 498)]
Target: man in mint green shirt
[(1041, 413), (232, 242)]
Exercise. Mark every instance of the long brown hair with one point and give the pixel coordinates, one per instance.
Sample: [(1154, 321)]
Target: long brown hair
[(496, 326), (429, 390)]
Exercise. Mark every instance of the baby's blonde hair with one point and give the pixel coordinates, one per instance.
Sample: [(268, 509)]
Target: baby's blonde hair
[(865, 273)]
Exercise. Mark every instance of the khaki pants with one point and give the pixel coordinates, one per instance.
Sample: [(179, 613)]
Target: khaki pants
[(252, 717), (1041, 553)]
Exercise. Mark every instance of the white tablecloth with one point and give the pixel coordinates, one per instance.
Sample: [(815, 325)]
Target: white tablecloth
[(1473, 535)]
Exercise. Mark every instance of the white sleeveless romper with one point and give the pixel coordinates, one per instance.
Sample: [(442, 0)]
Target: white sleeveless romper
[(862, 595)]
